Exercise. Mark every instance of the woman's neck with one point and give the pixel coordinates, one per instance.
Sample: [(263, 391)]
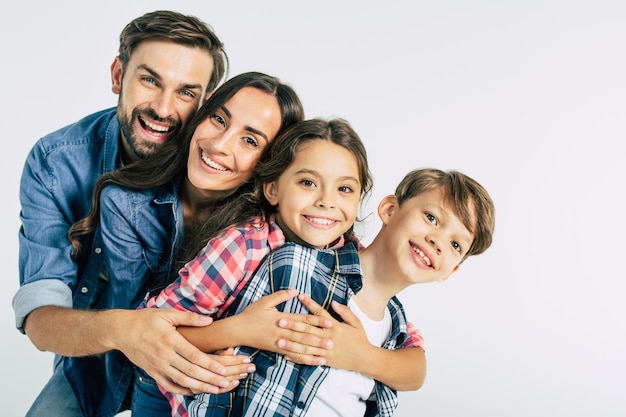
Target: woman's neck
[(196, 203)]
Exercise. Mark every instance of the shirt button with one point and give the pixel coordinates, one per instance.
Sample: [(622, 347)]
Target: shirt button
[(300, 404), (98, 250), (84, 290)]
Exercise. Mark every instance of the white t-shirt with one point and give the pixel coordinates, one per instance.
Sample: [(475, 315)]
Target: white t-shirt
[(343, 393)]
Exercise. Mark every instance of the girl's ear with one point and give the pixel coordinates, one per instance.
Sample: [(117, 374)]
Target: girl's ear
[(387, 207), (116, 75), (270, 189)]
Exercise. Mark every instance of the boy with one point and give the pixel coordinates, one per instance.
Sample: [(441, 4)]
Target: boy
[(433, 223)]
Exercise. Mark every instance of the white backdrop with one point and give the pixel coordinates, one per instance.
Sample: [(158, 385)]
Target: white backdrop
[(528, 97)]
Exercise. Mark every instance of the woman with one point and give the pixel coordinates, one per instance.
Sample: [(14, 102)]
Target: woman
[(148, 210)]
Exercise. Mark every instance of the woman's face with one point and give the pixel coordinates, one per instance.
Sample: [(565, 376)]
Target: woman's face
[(226, 146)]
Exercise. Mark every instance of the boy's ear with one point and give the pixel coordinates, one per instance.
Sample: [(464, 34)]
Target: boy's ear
[(444, 279), (116, 75), (387, 207), (271, 192)]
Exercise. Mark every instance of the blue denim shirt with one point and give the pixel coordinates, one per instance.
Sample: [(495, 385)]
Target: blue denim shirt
[(55, 191), (141, 231)]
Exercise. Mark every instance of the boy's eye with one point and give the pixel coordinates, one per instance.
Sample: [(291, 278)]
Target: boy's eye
[(431, 218), (456, 247)]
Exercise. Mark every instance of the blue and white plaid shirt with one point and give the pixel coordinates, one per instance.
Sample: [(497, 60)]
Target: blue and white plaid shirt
[(280, 387)]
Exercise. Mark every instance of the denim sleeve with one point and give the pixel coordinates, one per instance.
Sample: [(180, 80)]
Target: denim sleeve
[(45, 251), (45, 292)]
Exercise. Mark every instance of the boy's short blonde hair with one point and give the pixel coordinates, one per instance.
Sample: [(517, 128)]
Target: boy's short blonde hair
[(470, 201)]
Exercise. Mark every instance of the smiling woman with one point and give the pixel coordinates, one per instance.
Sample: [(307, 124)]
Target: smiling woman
[(225, 146)]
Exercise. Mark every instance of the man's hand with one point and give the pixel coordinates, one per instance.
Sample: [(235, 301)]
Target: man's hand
[(148, 337), (235, 369)]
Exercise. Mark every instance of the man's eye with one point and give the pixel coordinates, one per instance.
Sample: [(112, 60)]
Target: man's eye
[(149, 80)]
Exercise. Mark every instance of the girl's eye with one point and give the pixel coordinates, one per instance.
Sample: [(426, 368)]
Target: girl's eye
[(456, 247), (431, 218), (346, 189), (251, 141), (307, 183)]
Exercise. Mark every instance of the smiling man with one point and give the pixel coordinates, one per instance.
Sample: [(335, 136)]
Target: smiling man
[(167, 65)]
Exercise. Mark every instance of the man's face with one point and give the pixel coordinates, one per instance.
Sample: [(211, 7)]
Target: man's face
[(163, 84)]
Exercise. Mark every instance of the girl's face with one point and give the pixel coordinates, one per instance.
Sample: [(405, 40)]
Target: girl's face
[(318, 195), (227, 144)]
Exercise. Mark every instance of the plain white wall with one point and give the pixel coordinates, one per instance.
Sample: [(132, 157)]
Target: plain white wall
[(528, 97)]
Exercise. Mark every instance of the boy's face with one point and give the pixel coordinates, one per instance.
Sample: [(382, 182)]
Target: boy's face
[(425, 236)]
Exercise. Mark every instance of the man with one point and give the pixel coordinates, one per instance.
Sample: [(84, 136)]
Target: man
[(167, 66)]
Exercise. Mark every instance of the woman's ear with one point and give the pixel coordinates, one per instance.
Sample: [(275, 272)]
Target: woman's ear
[(387, 207), (270, 190), (116, 75)]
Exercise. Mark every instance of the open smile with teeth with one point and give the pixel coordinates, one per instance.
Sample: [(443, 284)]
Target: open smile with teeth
[(211, 162), (154, 128), (422, 255), (322, 221)]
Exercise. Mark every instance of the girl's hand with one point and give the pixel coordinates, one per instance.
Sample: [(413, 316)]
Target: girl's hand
[(349, 341), (303, 338)]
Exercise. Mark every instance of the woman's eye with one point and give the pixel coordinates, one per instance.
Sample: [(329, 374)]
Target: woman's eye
[(251, 141), (219, 119), (431, 218)]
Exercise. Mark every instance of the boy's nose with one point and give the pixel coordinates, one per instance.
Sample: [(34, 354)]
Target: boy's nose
[(433, 243)]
